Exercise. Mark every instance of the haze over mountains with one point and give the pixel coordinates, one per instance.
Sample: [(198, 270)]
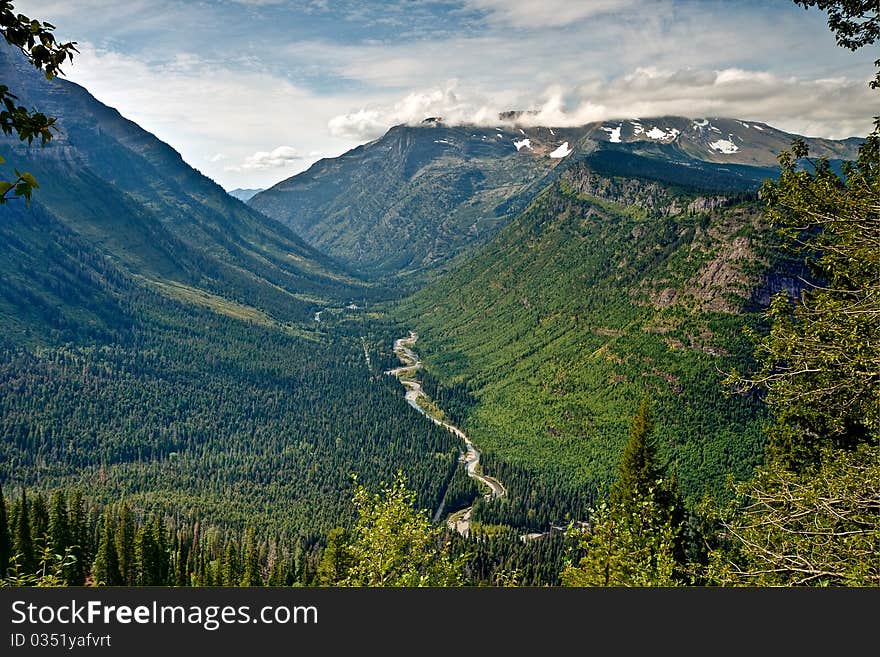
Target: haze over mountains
[(419, 195)]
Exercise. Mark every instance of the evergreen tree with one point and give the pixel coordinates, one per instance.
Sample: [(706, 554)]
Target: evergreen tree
[(106, 567), (638, 472), (230, 569), (39, 521), (251, 575), (5, 538), (336, 559), (24, 544), (59, 528), (634, 539), (79, 540), (160, 536), (125, 550)]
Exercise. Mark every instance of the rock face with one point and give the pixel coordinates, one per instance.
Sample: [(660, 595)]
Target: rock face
[(420, 195)]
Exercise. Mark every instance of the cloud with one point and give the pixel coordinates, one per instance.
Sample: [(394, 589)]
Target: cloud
[(282, 156), (217, 157), (547, 13), (831, 107)]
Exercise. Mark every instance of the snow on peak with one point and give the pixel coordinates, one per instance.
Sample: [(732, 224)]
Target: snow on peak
[(724, 146), (637, 127), (551, 131), (657, 133), (522, 143), (613, 134), (702, 123), (757, 127), (562, 151)]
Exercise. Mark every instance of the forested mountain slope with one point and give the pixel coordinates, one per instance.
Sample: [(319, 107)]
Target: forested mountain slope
[(133, 198), (420, 195), (158, 342), (605, 290)]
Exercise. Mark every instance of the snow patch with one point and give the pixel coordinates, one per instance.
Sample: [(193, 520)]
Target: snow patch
[(744, 125), (613, 134), (522, 132), (562, 151), (657, 133), (712, 127), (757, 127), (442, 141), (637, 127), (702, 123), (523, 143), (724, 146), (551, 131)]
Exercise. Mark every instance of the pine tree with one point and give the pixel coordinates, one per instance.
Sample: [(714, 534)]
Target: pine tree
[(634, 540), (106, 567), (39, 521), (336, 559), (230, 570), (79, 540), (5, 538), (24, 545), (251, 575), (160, 535), (638, 472), (59, 528), (125, 551)]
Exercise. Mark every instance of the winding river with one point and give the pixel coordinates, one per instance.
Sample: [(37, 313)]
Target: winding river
[(461, 520)]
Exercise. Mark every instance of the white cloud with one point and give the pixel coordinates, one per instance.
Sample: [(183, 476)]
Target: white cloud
[(548, 13), (825, 107), (280, 157), (215, 114)]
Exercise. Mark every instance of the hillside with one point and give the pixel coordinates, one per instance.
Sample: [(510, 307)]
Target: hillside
[(135, 199), (418, 196), (158, 342), (605, 290)]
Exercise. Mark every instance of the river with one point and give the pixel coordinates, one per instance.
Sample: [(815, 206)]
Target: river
[(459, 521)]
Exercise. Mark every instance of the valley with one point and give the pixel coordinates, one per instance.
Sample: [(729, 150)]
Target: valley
[(221, 372), (416, 397)]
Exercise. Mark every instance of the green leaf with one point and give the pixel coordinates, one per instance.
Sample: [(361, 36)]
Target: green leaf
[(5, 186), (28, 178)]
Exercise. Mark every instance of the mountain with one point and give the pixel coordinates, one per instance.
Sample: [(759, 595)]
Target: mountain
[(605, 290), (244, 194), (158, 341), (133, 197), (420, 195)]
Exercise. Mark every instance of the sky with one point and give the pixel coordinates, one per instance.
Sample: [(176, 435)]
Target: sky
[(251, 92)]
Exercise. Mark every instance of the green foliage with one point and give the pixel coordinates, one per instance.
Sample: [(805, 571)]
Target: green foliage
[(820, 362), (38, 44), (626, 550), (634, 539), (816, 527), (559, 326), (810, 515), (394, 544), (49, 573), (336, 559)]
